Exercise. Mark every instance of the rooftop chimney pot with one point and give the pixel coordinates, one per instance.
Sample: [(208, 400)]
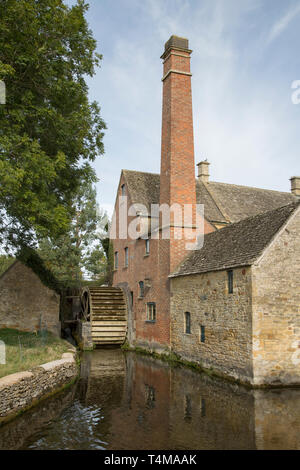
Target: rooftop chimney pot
[(203, 171), (295, 185)]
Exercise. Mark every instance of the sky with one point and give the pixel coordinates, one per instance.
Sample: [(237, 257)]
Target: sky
[(245, 58)]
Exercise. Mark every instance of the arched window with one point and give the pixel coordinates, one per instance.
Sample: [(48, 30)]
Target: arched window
[(141, 286), (187, 321), (126, 257), (116, 260)]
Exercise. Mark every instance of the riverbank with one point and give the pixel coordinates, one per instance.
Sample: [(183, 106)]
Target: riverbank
[(23, 389), (25, 350)]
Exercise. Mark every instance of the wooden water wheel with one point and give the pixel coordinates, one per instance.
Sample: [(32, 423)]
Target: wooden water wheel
[(106, 308)]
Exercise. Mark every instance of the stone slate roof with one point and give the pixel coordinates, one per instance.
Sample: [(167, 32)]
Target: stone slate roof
[(238, 244), (143, 187), (223, 203), (239, 202)]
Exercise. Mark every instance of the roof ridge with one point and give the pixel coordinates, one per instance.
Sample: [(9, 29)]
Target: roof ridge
[(216, 182), (250, 187), (256, 216), (144, 172)]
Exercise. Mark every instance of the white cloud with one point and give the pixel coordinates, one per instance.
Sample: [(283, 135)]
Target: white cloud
[(281, 25)]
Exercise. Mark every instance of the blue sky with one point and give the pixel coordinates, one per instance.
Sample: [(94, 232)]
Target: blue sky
[(245, 58)]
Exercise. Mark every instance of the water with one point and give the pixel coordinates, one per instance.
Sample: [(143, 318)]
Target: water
[(127, 401)]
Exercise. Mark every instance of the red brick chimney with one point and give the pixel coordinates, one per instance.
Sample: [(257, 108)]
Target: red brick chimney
[(177, 177)]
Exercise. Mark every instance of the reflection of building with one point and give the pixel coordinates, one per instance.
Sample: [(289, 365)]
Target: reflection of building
[(177, 408), (246, 330)]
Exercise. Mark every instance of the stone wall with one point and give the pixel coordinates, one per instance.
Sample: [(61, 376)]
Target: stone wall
[(227, 319), (21, 390), (26, 303), (276, 309)]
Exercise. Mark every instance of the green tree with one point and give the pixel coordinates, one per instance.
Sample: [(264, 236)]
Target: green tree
[(49, 131), (107, 246), (78, 253), (5, 263)]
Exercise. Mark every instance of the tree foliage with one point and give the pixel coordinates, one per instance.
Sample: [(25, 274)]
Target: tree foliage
[(78, 253), (49, 131), (5, 263)]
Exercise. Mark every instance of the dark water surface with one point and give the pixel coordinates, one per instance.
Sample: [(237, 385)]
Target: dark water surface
[(127, 401)]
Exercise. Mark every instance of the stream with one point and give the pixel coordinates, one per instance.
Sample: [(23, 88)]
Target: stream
[(123, 400)]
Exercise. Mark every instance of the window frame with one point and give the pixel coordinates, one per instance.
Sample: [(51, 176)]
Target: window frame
[(230, 281), (187, 323), (126, 257), (141, 289), (152, 317), (116, 260), (202, 334)]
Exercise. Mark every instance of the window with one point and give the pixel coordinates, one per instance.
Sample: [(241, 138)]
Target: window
[(123, 190), (151, 311), (150, 396), (147, 247), (131, 296), (126, 257), (116, 260), (202, 334), (230, 281), (187, 326), (141, 286)]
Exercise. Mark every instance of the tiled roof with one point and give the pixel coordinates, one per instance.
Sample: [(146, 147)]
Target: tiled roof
[(238, 244), (143, 187), (222, 202), (239, 202)]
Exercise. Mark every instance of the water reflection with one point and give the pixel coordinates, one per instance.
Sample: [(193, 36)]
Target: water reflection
[(125, 401)]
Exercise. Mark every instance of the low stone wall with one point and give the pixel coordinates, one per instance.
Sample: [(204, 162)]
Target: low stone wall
[(22, 390)]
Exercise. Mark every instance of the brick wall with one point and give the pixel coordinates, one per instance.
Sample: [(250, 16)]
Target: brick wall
[(226, 318), (24, 300), (276, 309)]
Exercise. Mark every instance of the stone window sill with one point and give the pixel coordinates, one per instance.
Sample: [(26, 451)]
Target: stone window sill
[(147, 255), (140, 298)]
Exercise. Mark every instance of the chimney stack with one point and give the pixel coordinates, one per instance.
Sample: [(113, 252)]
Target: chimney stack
[(177, 176), (295, 185), (203, 171)]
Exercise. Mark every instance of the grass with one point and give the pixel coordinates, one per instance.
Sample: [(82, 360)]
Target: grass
[(25, 351)]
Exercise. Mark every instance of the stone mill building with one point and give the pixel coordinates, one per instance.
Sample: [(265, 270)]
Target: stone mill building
[(233, 305)]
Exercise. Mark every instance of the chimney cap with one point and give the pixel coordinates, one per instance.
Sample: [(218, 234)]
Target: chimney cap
[(176, 42)]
